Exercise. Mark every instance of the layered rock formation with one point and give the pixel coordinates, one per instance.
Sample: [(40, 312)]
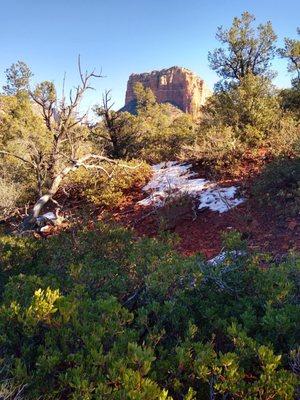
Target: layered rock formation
[(175, 85)]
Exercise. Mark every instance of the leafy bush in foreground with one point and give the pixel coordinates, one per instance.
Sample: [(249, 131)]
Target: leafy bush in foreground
[(99, 315)]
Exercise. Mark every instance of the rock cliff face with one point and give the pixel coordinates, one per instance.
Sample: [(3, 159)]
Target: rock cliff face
[(175, 85)]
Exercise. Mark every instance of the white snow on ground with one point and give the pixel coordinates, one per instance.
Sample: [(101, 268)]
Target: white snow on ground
[(44, 219), (220, 258), (49, 215), (175, 178)]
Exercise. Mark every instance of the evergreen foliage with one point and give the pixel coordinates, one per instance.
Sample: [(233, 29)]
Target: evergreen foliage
[(250, 107), (248, 50), (18, 78), (99, 315)]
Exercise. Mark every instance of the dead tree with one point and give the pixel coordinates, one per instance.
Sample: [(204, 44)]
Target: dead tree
[(64, 126), (119, 135)]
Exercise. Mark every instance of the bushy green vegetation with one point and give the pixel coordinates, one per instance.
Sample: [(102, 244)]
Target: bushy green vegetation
[(156, 132), (108, 189), (291, 52), (98, 315), (252, 121), (22, 133), (279, 185), (246, 111), (42, 137)]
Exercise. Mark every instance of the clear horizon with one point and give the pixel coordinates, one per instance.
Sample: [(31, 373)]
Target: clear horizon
[(127, 37)]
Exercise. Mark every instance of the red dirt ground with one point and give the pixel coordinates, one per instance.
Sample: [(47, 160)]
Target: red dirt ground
[(260, 225), (262, 229)]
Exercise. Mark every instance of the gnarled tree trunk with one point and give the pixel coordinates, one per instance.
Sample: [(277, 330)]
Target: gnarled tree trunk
[(31, 220)]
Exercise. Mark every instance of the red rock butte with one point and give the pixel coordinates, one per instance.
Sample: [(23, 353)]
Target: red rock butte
[(176, 85)]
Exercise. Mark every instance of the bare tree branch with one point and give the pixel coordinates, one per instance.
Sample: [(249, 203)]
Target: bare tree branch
[(18, 157)]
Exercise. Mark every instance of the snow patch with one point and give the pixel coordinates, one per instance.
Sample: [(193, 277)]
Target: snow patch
[(174, 178), (49, 215), (224, 255), (43, 220), (45, 228)]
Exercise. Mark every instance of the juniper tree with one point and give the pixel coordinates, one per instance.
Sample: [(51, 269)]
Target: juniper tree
[(17, 78), (245, 49), (291, 51)]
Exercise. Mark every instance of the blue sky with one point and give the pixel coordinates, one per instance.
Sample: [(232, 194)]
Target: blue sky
[(122, 37)]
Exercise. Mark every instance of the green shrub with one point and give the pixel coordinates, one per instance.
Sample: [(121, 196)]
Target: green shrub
[(290, 100), (165, 139), (105, 190), (8, 197), (155, 133), (279, 185), (176, 207), (101, 315), (217, 148), (284, 140), (250, 107)]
